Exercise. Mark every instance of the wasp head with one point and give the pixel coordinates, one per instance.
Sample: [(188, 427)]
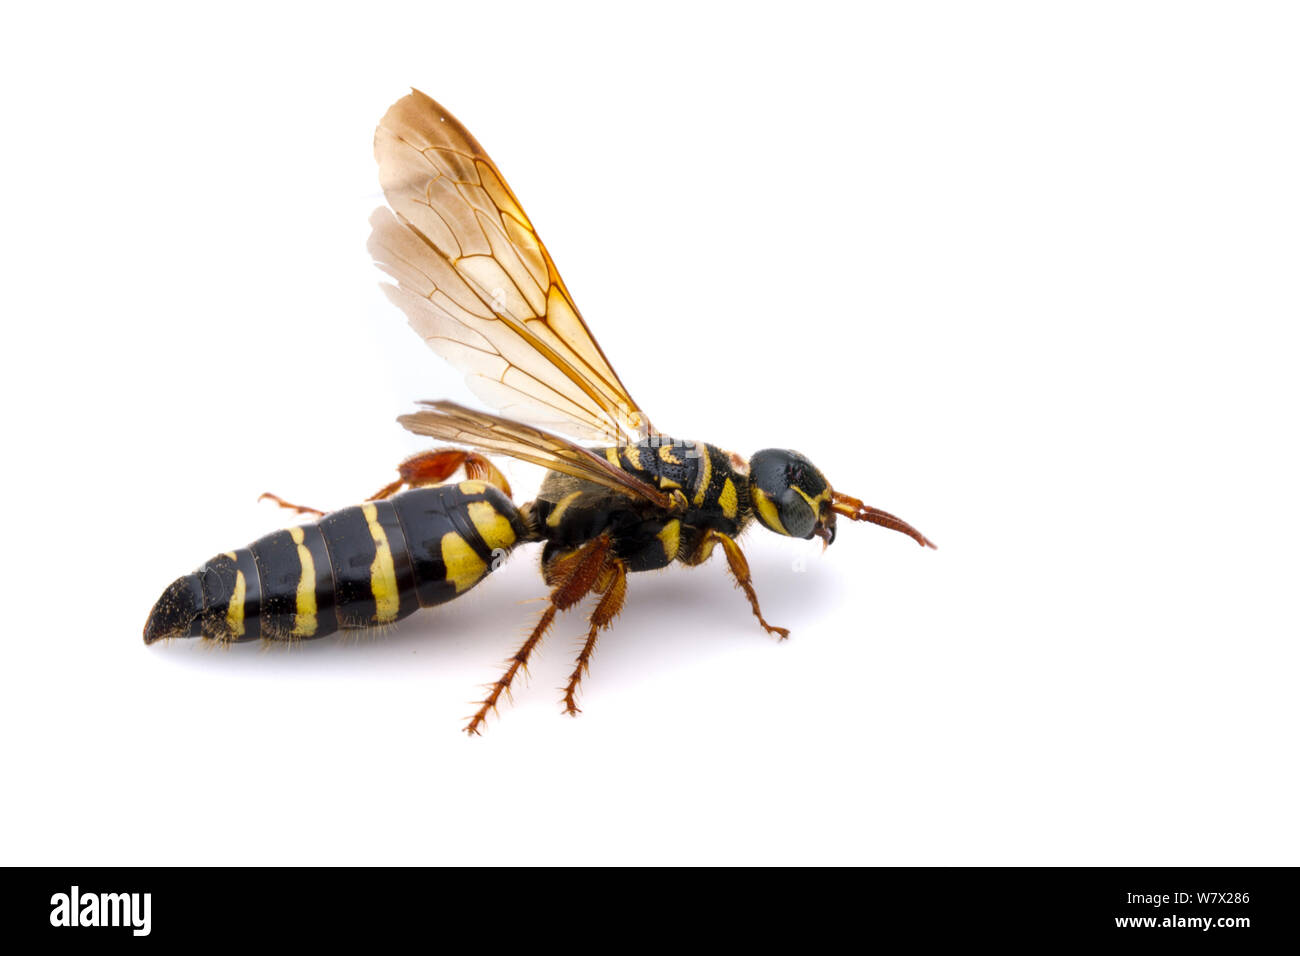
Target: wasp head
[(791, 497)]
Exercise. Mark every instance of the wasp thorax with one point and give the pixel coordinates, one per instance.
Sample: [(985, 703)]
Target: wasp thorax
[(790, 496)]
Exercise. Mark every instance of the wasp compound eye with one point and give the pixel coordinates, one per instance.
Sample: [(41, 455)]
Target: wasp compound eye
[(797, 514)]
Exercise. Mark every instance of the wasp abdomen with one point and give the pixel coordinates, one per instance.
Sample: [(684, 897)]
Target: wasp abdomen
[(363, 566)]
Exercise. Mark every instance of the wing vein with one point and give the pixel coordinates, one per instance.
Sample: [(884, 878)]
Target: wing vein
[(462, 248)]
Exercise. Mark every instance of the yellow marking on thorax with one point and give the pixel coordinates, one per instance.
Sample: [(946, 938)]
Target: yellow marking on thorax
[(670, 535), (473, 487), (666, 454), (235, 609), (304, 621), (727, 499), (383, 577), (464, 566), (633, 455), (494, 527), (611, 456), (705, 476), (554, 518), (702, 552), (767, 511), (667, 484)]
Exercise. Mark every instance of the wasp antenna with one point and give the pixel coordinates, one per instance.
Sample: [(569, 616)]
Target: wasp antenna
[(855, 510)]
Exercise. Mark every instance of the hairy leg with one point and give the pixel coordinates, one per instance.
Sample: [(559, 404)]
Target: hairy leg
[(434, 467), (740, 571), (426, 468), (572, 577), (613, 590)]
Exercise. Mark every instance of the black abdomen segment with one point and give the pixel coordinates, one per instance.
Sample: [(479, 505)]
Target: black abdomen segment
[(363, 566)]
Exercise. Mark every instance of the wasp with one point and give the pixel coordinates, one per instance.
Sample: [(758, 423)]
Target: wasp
[(619, 496)]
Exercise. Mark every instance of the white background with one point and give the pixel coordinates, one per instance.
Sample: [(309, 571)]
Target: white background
[(1024, 274)]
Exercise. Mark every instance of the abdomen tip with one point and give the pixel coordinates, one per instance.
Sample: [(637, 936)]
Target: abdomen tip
[(177, 612)]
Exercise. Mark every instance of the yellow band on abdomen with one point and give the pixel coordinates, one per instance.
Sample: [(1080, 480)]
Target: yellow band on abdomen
[(304, 620), (383, 577)]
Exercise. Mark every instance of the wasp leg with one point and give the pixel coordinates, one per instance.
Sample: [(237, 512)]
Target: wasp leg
[(426, 468), (740, 571), (434, 467), (573, 577), (301, 509), (612, 587)]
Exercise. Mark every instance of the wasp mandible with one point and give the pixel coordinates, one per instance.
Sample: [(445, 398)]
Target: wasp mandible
[(479, 287)]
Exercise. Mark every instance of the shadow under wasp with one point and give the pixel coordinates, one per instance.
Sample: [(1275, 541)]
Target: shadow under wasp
[(477, 284)]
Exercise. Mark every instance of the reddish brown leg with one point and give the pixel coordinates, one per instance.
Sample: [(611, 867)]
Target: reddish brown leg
[(613, 588), (433, 467), (740, 571), (573, 578), (426, 468), (301, 509)]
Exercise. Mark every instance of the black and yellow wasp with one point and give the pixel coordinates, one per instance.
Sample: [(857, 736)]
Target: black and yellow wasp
[(478, 285)]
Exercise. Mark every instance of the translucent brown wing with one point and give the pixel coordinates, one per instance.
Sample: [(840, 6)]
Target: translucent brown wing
[(476, 282), (454, 423)]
